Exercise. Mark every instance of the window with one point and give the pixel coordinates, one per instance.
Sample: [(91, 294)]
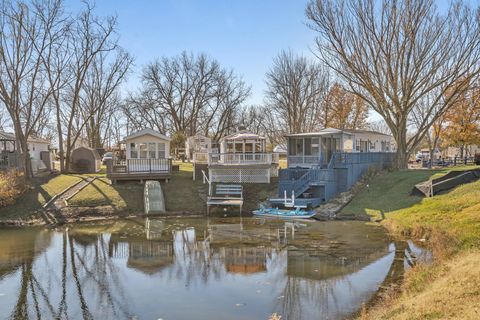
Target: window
[(308, 146), (161, 150), (299, 146), (229, 147), (292, 150), (142, 147), (238, 147), (357, 145), (248, 147), (133, 151), (152, 150), (315, 146)]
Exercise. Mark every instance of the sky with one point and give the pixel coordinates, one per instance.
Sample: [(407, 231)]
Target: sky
[(244, 35)]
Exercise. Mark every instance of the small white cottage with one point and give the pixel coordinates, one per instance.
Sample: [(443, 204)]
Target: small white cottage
[(35, 145), (147, 144)]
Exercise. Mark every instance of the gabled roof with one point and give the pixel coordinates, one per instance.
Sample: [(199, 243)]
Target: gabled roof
[(147, 131), (366, 131), (243, 135), (328, 131), (11, 136)]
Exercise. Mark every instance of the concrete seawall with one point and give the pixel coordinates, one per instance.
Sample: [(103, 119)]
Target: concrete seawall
[(153, 199)]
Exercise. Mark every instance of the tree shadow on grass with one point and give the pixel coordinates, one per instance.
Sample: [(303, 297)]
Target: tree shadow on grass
[(131, 193), (30, 201)]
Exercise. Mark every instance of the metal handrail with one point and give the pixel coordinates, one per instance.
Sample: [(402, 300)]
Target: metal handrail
[(205, 178)]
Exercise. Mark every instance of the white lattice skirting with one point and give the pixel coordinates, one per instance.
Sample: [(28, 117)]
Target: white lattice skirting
[(240, 175)]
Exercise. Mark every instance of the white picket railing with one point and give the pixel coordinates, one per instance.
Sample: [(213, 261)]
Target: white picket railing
[(242, 158)]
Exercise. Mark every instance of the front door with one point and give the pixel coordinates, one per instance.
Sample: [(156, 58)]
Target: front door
[(329, 146)]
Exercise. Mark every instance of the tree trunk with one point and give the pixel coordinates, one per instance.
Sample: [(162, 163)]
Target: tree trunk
[(67, 156), (22, 142), (402, 155), (402, 158), (60, 142)]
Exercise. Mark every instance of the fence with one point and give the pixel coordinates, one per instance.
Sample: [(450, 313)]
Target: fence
[(142, 166), (242, 158), (10, 160)]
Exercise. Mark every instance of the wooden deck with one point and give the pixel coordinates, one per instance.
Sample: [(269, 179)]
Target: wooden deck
[(139, 169), (226, 195)]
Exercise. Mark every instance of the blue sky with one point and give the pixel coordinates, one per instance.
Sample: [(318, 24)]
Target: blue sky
[(244, 35)]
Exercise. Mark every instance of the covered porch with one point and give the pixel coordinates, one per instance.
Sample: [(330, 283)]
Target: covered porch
[(243, 148), (316, 149)]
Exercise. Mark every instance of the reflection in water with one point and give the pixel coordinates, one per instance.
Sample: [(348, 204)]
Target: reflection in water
[(228, 268)]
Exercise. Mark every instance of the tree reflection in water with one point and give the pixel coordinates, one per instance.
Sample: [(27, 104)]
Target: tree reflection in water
[(93, 271)]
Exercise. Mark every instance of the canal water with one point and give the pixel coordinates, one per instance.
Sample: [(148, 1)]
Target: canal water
[(217, 268)]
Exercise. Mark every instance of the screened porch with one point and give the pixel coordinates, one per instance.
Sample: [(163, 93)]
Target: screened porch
[(310, 151)]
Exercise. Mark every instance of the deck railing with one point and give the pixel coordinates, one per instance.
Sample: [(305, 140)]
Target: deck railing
[(345, 158), (134, 166), (242, 158), (293, 160), (200, 157)]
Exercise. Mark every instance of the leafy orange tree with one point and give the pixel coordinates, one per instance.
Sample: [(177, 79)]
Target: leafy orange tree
[(343, 109), (462, 121)]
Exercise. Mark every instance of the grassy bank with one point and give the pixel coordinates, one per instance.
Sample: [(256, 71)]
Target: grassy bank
[(39, 191), (182, 194), (449, 224)]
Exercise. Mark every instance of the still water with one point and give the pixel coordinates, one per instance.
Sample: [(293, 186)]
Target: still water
[(222, 268)]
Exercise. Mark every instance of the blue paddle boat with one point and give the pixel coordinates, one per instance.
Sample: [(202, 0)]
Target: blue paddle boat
[(296, 213)]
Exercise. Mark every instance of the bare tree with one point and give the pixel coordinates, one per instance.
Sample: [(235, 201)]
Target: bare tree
[(379, 126), (187, 94), (396, 54), (90, 40), (101, 97), (295, 91), (24, 89)]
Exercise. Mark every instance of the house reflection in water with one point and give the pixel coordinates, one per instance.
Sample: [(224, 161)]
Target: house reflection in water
[(236, 248), (146, 269), (148, 253)]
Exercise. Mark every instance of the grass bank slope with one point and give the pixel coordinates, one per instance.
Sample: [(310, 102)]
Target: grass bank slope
[(450, 224)]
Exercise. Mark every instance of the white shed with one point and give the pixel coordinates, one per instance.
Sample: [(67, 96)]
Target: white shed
[(147, 144)]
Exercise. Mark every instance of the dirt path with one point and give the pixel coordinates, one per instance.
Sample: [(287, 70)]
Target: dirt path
[(54, 211)]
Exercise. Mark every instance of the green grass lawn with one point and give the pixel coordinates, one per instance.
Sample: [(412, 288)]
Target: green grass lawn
[(456, 212), (124, 197), (450, 223), (43, 189), (390, 191), (181, 193)]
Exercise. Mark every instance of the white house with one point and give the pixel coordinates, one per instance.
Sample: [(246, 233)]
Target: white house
[(243, 158), (35, 145), (147, 144), (147, 158), (198, 147)]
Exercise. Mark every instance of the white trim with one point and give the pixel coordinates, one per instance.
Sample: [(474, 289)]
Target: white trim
[(147, 131)]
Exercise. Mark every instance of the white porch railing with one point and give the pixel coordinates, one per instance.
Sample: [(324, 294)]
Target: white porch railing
[(200, 157), (242, 158)]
